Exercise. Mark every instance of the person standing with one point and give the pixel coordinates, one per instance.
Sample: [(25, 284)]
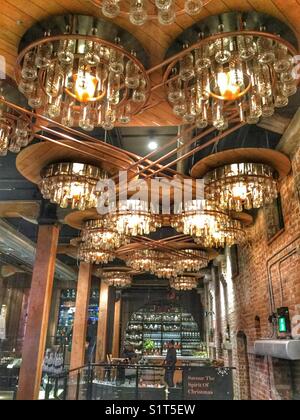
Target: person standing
[(170, 364)]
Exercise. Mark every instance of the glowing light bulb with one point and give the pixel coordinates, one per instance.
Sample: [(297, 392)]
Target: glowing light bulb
[(85, 86), (152, 145), (228, 86), (239, 191)]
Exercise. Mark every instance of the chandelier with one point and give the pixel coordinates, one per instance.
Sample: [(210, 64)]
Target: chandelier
[(73, 184), (167, 264), (140, 11), (184, 283), (131, 218), (209, 226), (94, 255), (94, 235), (80, 79), (118, 279), (15, 129), (247, 72), (241, 185)]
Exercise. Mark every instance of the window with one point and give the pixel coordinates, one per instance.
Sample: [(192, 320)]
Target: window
[(274, 218)]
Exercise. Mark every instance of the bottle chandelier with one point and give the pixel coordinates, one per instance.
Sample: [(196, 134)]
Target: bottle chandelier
[(80, 79), (95, 236), (118, 279), (166, 264), (131, 218), (247, 72), (94, 255), (208, 225), (241, 185), (184, 283), (140, 11), (71, 184), (15, 130)]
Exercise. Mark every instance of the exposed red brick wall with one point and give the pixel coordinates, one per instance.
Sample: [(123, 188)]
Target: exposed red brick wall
[(249, 298)]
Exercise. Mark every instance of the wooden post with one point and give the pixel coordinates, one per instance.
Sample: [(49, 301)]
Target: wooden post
[(102, 324), (117, 329), (38, 313), (81, 316)]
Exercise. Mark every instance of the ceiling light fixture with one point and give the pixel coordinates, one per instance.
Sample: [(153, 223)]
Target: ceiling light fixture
[(184, 283), (79, 79), (94, 235), (208, 225), (118, 279), (71, 184), (242, 70)]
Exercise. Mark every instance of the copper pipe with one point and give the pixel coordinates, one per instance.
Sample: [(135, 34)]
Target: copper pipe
[(203, 146), (161, 149), (70, 130)]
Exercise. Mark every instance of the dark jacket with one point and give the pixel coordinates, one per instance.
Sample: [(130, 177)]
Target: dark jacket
[(171, 358)]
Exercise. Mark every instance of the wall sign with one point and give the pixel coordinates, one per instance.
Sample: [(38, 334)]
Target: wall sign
[(208, 383)]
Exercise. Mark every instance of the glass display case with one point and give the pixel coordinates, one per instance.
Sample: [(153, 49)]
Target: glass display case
[(152, 327), (67, 311)]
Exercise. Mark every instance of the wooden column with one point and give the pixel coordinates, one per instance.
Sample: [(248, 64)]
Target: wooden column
[(81, 316), (38, 313), (117, 329), (102, 324)]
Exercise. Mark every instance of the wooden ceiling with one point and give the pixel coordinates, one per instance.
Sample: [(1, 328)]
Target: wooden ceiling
[(17, 16)]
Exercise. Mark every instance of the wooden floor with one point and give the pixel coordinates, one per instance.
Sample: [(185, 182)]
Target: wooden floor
[(17, 16)]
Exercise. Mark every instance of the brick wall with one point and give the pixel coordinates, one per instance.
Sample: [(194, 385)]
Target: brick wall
[(248, 302)]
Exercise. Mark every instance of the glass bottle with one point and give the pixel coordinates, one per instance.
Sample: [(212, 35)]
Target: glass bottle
[(111, 8), (163, 4), (54, 81), (93, 54), (265, 48), (139, 94), (66, 50), (113, 88), (167, 16), (86, 117), (54, 106), (187, 71), (44, 53), (125, 116), (29, 69), (116, 59), (131, 79), (175, 91), (138, 12), (193, 7)]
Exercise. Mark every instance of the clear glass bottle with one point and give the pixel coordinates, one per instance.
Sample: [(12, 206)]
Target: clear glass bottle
[(111, 8), (187, 71), (54, 81), (113, 88), (116, 59), (86, 117), (163, 4), (131, 78), (167, 16), (54, 107), (138, 12), (44, 54), (175, 91), (139, 95), (193, 7), (29, 70), (66, 50)]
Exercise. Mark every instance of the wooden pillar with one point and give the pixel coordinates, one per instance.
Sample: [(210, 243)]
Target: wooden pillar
[(38, 313), (81, 316), (117, 329), (102, 323)]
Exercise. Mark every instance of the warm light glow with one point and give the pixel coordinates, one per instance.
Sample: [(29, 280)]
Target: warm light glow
[(239, 191), (152, 145), (229, 89), (85, 86)]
